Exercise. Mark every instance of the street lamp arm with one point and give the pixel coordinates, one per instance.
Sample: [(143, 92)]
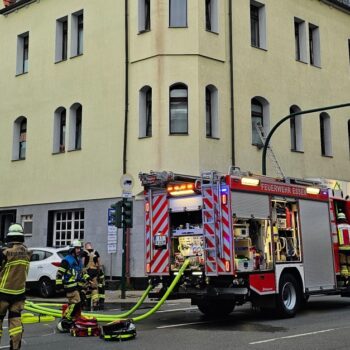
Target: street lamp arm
[(268, 138)]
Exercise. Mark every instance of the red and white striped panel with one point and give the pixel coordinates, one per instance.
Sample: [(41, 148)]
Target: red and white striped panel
[(218, 235), (209, 230), (226, 231), (160, 258)]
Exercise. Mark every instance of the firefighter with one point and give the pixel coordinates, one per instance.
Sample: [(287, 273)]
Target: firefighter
[(70, 275), (14, 261), (92, 264), (344, 245), (101, 289)]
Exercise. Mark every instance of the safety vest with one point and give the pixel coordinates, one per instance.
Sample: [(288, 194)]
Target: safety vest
[(91, 264), (70, 273), (14, 270), (344, 235)]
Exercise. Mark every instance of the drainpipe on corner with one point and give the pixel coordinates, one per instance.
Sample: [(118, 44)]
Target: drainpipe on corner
[(233, 151)]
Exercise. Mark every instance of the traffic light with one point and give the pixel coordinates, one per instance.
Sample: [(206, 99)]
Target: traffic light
[(116, 214), (127, 213)]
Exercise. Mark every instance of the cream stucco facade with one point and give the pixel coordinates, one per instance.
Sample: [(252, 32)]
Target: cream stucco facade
[(87, 178)]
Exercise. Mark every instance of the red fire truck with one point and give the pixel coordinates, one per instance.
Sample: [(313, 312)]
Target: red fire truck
[(269, 241)]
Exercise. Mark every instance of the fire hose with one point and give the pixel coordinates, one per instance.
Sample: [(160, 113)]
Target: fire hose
[(44, 310)]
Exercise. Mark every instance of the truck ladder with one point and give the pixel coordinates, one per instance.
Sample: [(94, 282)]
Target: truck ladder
[(275, 164)]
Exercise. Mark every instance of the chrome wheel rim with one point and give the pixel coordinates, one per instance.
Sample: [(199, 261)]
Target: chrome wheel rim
[(289, 296)]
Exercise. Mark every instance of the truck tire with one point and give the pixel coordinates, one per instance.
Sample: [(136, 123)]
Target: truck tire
[(216, 308), (289, 296)]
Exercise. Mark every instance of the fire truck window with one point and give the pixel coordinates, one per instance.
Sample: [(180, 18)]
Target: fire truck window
[(186, 219)]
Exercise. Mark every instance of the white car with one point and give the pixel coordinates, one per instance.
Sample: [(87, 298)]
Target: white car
[(43, 268)]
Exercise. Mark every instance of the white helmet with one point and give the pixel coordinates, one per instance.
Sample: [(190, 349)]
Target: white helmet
[(15, 230), (341, 216), (76, 244)]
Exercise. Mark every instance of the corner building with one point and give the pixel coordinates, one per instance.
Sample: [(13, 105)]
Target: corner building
[(91, 91)]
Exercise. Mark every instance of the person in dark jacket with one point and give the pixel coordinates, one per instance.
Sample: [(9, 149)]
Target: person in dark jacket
[(14, 262)]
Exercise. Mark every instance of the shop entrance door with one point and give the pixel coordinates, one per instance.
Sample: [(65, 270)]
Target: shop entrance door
[(7, 217)]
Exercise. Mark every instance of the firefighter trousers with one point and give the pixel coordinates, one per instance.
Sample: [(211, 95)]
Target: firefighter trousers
[(74, 305), (14, 321)]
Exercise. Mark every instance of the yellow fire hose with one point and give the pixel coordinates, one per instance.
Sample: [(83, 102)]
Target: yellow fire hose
[(30, 306), (31, 318)]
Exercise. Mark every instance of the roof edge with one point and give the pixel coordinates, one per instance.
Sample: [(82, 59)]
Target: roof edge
[(17, 5), (342, 5)]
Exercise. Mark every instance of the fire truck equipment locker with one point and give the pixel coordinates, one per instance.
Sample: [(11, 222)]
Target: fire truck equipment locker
[(317, 246)]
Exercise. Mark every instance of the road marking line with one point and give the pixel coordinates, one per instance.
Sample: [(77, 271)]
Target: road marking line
[(5, 347), (294, 336), (181, 325), (182, 309)]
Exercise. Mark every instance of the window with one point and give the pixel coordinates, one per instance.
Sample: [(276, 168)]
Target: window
[(300, 40), (22, 53), (178, 109), (77, 37), (19, 139), (349, 49), (75, 127), (258, 24), (211, 111), (27, 224), (61, 39), (145, 112), (59, 137), (144, 15), (178, 13), (259, 120), (39, 255), (314, 45), (68, 225), (211, 15), (296, 137), (325, 133)]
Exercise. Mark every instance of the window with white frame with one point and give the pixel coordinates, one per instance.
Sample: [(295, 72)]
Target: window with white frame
[(211, 16), (22, 53), (325, 135), (211, 112), (27, 224), (145, 112), (296, 133), (75, 127), (177, 13), (77, 34), (178, 109), (258, 24), (68, 225), (300, 40), (314, 45), (144, 15), (19, 145), (260, 120), (59, 136), (61, 39)]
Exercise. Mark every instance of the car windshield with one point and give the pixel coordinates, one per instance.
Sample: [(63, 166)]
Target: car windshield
[(63, 253)]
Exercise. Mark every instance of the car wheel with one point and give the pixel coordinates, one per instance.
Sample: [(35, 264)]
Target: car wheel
[(289, 296), (46, 287)]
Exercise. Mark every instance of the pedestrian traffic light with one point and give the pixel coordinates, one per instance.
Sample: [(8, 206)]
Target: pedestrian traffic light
[(127, 213), (116, 214)]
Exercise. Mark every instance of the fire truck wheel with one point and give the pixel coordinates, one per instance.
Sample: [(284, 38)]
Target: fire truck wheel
[(216, 308), (289, 297)]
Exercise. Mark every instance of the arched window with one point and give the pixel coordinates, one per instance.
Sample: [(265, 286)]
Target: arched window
[(59, 130), (145, 112), (325, 134), (75, 127), (211, 111), (178, 109), (259, 119), (19, 146), (296, 131)]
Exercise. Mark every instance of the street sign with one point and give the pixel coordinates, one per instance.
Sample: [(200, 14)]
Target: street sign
[(111, 233)]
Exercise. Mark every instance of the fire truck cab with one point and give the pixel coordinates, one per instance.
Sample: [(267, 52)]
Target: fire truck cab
[(249, 238)]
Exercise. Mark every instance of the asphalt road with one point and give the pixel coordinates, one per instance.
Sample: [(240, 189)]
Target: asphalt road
[(323, 324)]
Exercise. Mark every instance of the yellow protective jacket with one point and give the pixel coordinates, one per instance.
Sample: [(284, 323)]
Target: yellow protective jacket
[(14, 269)]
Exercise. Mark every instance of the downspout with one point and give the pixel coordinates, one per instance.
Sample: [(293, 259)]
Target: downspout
[(233, 151), (126, 86)]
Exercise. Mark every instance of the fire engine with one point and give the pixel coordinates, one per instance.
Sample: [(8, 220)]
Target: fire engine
[(249, 238)]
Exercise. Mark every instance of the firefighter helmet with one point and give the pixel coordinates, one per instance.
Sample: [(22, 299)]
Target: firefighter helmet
[(341, 216), (15, 230), (76, 244)]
